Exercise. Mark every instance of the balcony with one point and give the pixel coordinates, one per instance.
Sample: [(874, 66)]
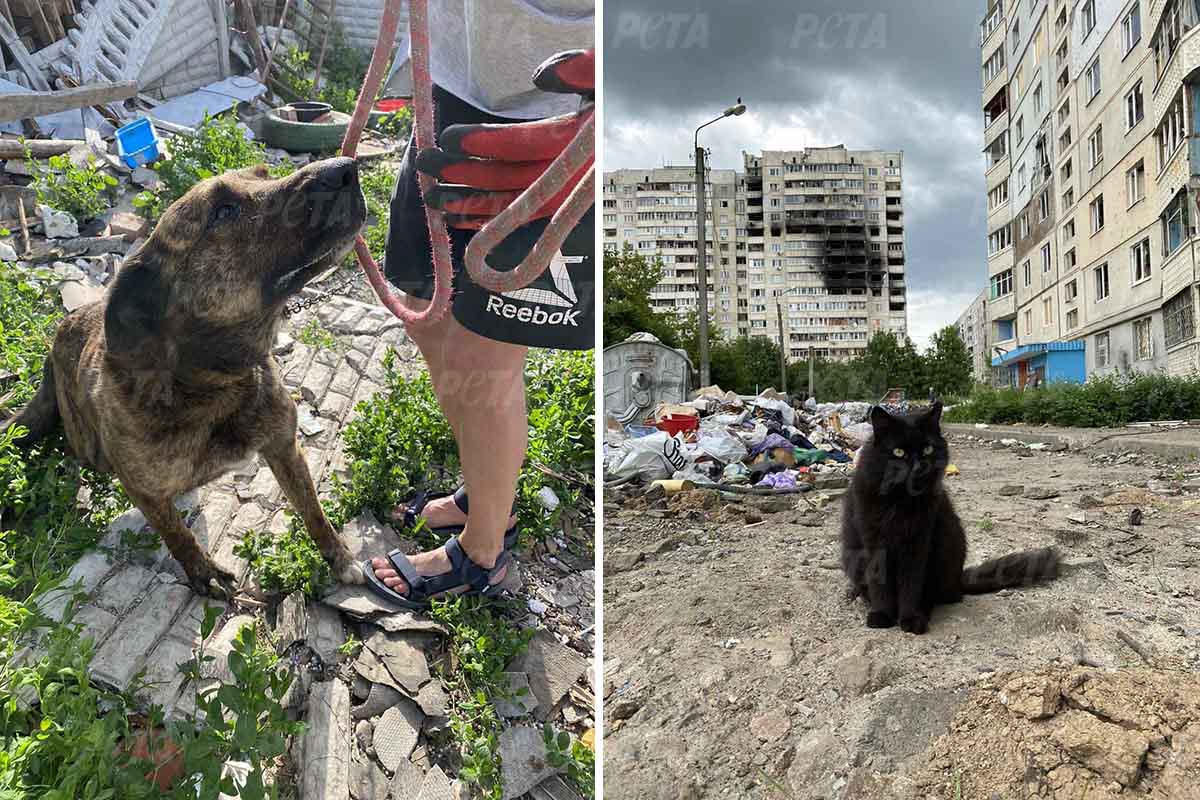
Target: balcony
[(997, 124), (1003, 307)]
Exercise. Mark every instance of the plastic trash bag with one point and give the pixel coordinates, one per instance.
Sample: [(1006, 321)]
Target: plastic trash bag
[(779, 480), (736, 473), (722, 446), (652, 457)]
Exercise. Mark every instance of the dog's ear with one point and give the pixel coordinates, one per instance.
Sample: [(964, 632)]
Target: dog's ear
[(136, 305)]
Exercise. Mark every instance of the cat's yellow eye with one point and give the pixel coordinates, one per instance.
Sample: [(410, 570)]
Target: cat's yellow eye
[(928, 450), (898, 452)]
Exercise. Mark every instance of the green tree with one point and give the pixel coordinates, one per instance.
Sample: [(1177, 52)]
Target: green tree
[(746, 365), (628, 280), (948, 363)]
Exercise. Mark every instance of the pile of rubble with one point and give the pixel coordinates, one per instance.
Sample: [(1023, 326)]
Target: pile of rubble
[(755, 445)]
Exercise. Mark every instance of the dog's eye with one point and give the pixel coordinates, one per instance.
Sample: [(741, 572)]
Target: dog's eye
[(226, 212), (898, 452), (928, 450)]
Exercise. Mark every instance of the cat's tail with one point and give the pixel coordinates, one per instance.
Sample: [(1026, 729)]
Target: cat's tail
[(1016, 569)]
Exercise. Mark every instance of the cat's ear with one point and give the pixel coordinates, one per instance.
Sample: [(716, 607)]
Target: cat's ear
[(933, 417), (881, 421)]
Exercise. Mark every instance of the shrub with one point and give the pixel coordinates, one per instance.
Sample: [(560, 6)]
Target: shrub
[(82, 191), (1104, 401), (219, 145)]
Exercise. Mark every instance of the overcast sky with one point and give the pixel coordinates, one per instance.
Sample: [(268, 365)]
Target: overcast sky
[(870, 74)]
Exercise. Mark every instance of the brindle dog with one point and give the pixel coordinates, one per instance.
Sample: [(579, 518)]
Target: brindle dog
[(169, 380)]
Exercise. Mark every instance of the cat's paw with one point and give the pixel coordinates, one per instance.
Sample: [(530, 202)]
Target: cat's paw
[(914, 623), (880, 619)]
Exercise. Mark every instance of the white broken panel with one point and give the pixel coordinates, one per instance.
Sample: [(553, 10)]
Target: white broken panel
[(189, 34), (360, 21), (114, 38)]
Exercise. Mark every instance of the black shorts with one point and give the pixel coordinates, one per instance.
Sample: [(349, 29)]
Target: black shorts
[(557, 310)]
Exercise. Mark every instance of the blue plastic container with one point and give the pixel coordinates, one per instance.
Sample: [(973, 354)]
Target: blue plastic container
[(137, 143)]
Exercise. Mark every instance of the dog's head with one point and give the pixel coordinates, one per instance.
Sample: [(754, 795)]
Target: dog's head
[(208, 287)]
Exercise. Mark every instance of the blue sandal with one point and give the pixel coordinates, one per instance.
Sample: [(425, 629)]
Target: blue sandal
[(413, 511), (464, 577)]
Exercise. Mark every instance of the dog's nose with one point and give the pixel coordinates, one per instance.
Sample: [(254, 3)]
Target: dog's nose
[(334, 175)]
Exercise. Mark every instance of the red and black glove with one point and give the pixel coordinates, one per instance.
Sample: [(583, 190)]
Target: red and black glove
[(482, 168)]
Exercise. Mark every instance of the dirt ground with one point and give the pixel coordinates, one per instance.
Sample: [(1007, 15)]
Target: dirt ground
[(736, 667)]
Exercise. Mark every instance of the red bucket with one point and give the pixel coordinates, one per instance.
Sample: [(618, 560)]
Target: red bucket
[(678, 423), (389, 104)]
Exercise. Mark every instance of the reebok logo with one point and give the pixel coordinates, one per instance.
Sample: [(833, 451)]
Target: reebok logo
[(533, 316)]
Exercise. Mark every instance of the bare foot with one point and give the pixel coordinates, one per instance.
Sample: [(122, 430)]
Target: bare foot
[(441, 513), (432, 562)]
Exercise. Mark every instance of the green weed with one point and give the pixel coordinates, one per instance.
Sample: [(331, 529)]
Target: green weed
[(218, 147), (318, 337), (84, 192), (573, 757), (288, 563), (482, 644)]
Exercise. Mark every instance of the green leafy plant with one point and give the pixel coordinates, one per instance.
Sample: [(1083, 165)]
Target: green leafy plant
[(29, 316), (350, 647), (1109, 401), (82, 191), (243, 720), (573, 757), (318, 337), (219, 146), (342, 73), (397, 124), (288, 563), (397, 441), (377, 183), (481, 643)]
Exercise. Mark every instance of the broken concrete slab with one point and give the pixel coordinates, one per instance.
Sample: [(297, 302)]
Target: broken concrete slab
[(291, 621), (309, 423), (402, 657), (401, 620), (324, 751), (57, 224), (380, 698), (523, 760), (367, 781), (407, 781), (371, 667), (76, 295), (125, 650), (368, 537), (436, 786), (325, 632), (522, 702), (432, 699), (552, 667), (357, 601), (395, 738)]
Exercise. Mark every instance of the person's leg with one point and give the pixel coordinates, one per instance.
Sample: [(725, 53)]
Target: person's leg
[(480, 388)]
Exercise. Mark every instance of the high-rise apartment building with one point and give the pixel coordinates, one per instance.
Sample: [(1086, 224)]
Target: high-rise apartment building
[(819, 230), (1088, 105), (973, 329)]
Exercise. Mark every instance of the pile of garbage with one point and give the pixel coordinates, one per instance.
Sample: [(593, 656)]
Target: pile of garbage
[(768, 443)]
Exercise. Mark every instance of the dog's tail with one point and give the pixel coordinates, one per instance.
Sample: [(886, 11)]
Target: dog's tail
[(1016, 569), (41, 414)]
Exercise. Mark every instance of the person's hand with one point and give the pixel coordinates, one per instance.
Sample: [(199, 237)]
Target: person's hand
[(481, 169)]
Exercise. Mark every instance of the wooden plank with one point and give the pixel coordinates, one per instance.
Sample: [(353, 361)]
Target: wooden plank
[(39, 148), (6, 12), (41, 26), (278, 38), (16, 105), (24, 60), (222, 21), (245, 15), (328, 26)]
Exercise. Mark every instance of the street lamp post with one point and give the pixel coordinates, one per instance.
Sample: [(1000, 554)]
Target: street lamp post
[(701, 249)]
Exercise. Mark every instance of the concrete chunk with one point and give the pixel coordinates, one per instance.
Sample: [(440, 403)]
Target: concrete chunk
[(324, 752)]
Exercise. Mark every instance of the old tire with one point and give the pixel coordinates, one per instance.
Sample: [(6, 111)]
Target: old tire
[(305, 137)]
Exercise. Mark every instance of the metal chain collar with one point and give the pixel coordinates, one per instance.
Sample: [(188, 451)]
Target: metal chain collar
[(322, 295)]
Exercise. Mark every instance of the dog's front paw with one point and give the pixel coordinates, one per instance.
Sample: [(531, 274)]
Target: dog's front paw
[(914, 623), (345, 566), (208, 579), (880, 619)]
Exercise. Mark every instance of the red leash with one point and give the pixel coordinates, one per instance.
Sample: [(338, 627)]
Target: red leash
[(572, 159)]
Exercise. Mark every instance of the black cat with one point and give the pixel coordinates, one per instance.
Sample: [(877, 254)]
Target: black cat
[(903, 547)]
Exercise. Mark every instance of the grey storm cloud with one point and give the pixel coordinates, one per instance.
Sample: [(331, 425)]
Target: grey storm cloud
[(869, 74)]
